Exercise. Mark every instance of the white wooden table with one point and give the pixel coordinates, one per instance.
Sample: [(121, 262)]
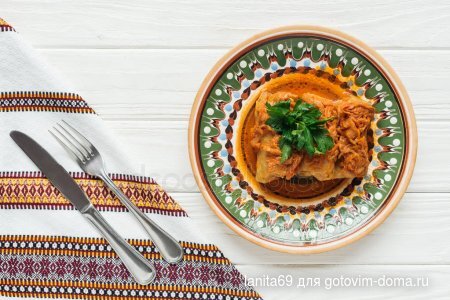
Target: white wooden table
[(140, 62)]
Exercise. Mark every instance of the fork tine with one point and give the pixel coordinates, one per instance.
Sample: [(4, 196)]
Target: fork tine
[(79, 135), (75, 142), (65, 144)]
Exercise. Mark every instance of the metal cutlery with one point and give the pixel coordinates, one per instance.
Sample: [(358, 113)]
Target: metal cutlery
[(140, 268), (90, 160)]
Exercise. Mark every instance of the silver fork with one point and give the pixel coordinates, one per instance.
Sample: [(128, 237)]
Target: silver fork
[(90, 160)]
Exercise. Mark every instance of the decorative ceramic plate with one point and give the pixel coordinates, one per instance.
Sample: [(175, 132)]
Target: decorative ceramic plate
[(321, 216)]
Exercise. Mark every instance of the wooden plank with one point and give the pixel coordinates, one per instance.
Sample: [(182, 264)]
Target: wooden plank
[(146, 97), (417, 232), (369, 282), (179, 24), (161, 84)]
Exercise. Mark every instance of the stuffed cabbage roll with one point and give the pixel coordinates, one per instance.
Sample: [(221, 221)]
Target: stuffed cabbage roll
[(349, 127)]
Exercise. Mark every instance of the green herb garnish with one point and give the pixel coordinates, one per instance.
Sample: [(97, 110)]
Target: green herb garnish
[(300, 128)]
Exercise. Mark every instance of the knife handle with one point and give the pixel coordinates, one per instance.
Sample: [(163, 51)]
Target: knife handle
[(140, 268)]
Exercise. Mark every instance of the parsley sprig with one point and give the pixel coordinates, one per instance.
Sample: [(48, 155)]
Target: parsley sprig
[(301, 128)]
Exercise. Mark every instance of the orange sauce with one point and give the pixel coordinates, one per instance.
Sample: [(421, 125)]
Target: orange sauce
[(298, 84)]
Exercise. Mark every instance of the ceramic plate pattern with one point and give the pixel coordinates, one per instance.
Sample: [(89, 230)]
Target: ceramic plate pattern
[(219, 115)]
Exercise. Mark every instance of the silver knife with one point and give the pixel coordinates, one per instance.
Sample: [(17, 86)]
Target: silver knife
[(140, 268)]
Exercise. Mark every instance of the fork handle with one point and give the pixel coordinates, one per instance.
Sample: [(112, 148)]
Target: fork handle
[(169, 248), (140, 268)]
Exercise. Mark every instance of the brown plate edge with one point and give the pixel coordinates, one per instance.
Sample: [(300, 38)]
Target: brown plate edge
[(407, 114)]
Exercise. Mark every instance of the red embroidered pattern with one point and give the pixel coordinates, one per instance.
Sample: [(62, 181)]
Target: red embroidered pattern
[(38, 266), (31, 190)]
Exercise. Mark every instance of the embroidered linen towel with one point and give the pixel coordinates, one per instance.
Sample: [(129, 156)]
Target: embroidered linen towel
[(47, 250)]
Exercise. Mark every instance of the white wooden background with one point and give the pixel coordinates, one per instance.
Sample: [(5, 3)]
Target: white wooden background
[(140, 62)]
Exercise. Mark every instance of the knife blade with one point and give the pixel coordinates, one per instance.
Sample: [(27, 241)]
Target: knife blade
[(59, 177), (140, 268)]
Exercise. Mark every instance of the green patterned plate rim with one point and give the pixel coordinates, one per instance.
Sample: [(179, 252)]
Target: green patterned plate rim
[(361, 205)]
